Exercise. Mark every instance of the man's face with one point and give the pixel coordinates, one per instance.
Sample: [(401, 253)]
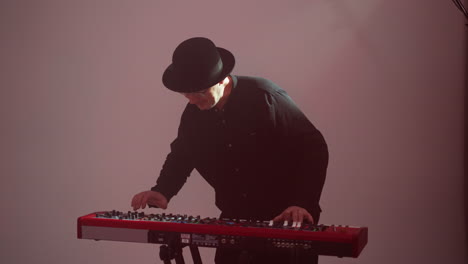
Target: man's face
[(207, 98)]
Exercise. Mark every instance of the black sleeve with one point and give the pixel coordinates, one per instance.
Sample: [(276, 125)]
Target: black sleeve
[(307, 153), (178, 165)]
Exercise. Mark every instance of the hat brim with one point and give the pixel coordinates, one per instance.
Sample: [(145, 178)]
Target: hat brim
[(177, 84)]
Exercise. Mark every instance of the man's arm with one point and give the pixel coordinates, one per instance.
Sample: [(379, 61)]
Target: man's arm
[(307, 156), (176, 169), (173, 175)]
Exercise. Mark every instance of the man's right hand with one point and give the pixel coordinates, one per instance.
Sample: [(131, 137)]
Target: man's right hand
[(149, 198)]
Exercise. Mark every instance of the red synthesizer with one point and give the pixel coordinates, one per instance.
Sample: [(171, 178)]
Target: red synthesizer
[(331, 240)]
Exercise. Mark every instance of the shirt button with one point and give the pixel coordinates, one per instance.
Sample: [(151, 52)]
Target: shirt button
[(244, 195), (236, 169), (229, 145)]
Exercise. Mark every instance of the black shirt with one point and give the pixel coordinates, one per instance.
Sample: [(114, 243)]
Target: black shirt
[(260, 153)]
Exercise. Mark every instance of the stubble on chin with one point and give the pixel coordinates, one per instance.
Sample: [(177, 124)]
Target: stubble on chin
[(205, 107)]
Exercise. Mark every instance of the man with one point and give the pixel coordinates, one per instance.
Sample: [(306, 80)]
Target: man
[(247, 139)]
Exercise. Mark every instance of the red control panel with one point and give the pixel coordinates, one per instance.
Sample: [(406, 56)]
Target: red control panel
[(332, 240)]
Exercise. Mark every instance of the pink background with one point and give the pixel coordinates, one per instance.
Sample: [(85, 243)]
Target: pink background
[(86, 122)]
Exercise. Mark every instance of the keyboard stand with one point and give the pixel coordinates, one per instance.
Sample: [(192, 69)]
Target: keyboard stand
[(173, 250), (195, 255)]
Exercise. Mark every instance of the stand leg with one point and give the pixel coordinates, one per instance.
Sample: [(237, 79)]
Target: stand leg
[(195, 255), (179, 258), (173, 250), (165, 254), (168, 252)]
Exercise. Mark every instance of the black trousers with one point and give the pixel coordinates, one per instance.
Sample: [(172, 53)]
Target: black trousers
[(280, 256)]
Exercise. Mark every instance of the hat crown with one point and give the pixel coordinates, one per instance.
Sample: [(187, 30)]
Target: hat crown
[(197, 64), (195, 56)]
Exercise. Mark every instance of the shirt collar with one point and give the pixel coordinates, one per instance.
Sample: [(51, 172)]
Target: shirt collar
[(234, 85)]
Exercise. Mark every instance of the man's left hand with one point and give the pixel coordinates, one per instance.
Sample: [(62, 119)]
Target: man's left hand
[(294, 214)]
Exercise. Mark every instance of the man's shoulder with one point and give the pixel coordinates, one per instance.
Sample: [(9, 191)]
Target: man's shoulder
[(257, 85)]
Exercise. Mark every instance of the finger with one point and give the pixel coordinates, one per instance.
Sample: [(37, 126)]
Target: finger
[(135, 201), (287, 216), (152, 200), (139, 201), (300, 216), (163, 202), (310, 218), (145, 199), (132, 202), (278, 218), (295, 216)]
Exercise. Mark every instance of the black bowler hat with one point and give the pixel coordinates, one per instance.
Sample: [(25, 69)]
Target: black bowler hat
[(197, 64)]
